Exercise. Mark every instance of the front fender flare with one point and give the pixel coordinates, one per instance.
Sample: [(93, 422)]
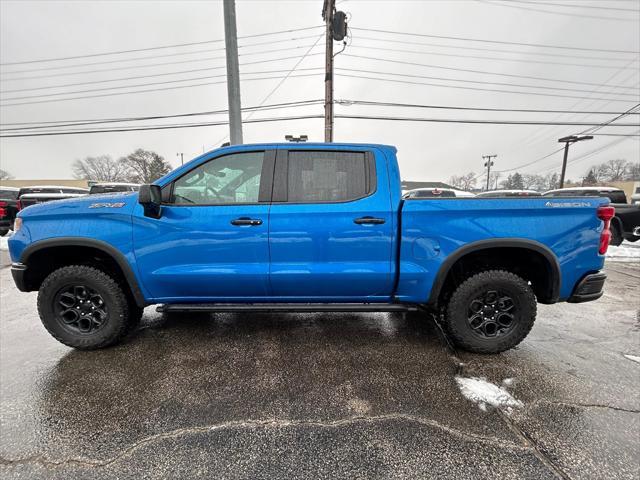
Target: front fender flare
[(106, 248)]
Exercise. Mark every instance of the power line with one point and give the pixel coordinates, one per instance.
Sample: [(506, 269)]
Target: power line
[(379, 72), (493, 50), (501, 42), (577, 6), (480, 109), (588, 154), (151, 57), (117, 52), (143, 91), (122, 79), (616, 134), (303, 117), (56, 123), (72, 123), (480, 57), (151, 65), (617, 117), (566, 14), (473, 121), (535, 137), (532, 162), (408, 82), (162, 127), (91, 90), (483, 72)]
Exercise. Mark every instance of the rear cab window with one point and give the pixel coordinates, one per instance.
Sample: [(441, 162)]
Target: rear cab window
[(8, 194), (324, 176)]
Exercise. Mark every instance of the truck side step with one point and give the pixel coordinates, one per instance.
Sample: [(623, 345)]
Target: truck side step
[(287, 307)]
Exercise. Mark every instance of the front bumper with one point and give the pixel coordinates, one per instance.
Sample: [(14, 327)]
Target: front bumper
[(589, 288), (18, 271)]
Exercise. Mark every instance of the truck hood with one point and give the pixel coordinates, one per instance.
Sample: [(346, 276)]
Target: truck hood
[(83, 204)]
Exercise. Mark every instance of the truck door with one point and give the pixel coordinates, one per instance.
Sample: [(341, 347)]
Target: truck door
[(211, 242), (331, 226)]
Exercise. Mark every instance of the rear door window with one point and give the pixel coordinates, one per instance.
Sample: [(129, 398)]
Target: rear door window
[(328, 176)]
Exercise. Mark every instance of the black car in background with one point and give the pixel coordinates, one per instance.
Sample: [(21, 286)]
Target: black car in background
[(113, 187), (625, 225), (45, 193), (8, 208)]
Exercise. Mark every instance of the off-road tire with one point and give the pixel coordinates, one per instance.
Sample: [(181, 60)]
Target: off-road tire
[(115, 301), (457, 323), (616, 235)]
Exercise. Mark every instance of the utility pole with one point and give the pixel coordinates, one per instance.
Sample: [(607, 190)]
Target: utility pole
[(233, 72), (327, 15), (181, 158), (488, 164), (568, 141)]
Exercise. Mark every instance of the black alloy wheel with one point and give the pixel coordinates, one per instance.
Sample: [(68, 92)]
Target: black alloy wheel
[(81, 309), (492, 314)]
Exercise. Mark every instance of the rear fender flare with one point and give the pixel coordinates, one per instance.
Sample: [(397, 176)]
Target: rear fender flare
[(533, 245)]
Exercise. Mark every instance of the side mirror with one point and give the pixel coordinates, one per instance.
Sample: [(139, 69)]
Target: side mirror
[(150, 197)]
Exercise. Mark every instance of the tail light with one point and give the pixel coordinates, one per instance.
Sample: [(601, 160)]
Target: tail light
[(3, 209), (605, 214)]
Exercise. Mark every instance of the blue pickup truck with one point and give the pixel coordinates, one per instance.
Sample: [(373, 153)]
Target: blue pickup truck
[(306, 228)]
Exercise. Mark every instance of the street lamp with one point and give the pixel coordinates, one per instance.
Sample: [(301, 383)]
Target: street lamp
[(568, 141)]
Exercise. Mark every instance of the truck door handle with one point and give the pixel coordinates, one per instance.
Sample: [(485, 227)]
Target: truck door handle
[(369, 221), (246, 221)]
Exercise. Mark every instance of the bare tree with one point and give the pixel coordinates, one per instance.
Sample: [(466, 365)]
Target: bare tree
[(551, 181), (633, 171), (146, 166), (463, 182), (101, 168), (533, 182), (4, 175), (615, 170)]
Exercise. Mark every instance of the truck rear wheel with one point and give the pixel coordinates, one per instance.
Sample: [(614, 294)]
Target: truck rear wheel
[(491, 312), (616, 235), (83, 307)]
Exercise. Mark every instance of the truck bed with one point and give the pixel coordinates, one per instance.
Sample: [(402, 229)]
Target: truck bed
[(435, 231)]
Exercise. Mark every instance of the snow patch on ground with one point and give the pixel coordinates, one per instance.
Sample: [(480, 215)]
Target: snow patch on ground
[(4, 242), (485, 393), (633, 358), (626, 252)]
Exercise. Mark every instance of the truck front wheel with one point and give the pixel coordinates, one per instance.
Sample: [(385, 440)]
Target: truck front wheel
[(83, 307), (491, 312)]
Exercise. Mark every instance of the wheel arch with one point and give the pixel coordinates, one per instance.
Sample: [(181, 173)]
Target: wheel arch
[(514, 246), (84, 246)]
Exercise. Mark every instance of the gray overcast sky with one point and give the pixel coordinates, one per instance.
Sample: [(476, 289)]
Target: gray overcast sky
[(33, 30)]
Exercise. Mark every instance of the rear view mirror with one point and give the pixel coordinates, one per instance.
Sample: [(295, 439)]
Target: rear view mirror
[(150, 197)]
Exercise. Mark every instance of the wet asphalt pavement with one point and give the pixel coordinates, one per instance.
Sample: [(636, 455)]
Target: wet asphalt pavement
[(322, 396)]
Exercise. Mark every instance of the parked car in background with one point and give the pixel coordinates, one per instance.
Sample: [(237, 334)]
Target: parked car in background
[(635, 198), (509, 193), (28, 196), (626, 223), (8, 208), (436, 193), (113, 187)]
